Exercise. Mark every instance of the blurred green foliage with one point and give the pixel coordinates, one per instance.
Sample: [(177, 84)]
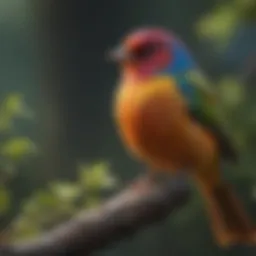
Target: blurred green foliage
[(219, 26), (221, 23), (13, 149), (60, 200), (13, 107)]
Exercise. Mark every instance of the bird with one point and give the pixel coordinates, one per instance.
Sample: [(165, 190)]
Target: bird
[(164, 109)]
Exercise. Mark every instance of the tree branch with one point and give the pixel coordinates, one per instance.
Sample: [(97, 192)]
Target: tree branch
[(132, 209)]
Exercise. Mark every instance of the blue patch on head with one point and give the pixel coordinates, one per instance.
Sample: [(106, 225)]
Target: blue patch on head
[(182, 62)]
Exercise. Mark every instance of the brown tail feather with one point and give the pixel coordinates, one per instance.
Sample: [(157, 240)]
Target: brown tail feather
[(229, 221)]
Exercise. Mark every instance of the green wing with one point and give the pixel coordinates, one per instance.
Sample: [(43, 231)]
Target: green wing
[(203, 109)]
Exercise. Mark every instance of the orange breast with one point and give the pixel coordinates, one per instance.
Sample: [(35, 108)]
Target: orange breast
[(154, 124)]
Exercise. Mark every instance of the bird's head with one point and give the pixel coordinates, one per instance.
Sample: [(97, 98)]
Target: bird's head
[(151, 51)]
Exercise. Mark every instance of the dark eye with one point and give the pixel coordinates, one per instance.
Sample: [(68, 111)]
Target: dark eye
[(145, 51)]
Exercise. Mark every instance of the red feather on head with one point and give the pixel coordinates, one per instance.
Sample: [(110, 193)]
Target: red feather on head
[(149, 49)]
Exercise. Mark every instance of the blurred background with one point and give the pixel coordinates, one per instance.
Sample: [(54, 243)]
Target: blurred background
[(59, 152)]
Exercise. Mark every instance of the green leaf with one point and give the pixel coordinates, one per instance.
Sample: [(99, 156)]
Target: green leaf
[(12, 107), (17, 148), (219, 25), (40, 201), (66, 191), (15, 106), (96, 177)]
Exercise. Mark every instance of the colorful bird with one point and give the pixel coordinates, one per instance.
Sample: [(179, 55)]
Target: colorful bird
[(165, 113)]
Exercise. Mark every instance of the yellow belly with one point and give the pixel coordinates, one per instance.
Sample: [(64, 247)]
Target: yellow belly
[(154, 123)]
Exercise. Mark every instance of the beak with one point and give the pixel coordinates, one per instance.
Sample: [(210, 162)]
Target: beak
[(119, 54)]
